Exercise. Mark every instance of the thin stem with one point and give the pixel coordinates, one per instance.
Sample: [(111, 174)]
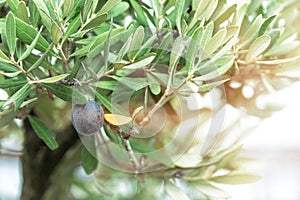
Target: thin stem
[(133, 158), (64, 58), (19, 66)]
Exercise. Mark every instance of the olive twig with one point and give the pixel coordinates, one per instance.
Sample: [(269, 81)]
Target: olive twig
[(128, 148)]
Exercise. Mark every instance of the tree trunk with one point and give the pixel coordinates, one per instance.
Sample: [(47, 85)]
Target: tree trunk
[(39, 162)]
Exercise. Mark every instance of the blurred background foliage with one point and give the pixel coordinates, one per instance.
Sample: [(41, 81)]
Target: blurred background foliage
[(51, 50)]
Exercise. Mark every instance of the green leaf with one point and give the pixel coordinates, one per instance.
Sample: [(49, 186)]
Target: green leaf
[(141, 63), (56, 33), (18, 97), (179, 13), (278, 61), (43, 132), (153, 85), (119, 9), (27, 34), (6, 117), (10, 32), (66, 93), (88, 161), (215, 42), (22, 12), (259, 45), (240, 14), (209, 86), (140, 15), (44, 13), (208, 32), (31, 47), (217, 72), (132, 83), (74, 25), (175, 192), (251, 32), (85, 14), (177, 51), (7, 83), (136, 42), (94, 23), (110, 4), (225, 15), (231, 31), (210, 190), (3, 57), (236, 179), (265, 25), (193, 48), (50, 79), (67, 7), (34, 13), (107, 85), (40, 61), (13, 4)]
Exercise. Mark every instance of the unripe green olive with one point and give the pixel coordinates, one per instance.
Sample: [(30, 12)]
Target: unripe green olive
[(87, 118)]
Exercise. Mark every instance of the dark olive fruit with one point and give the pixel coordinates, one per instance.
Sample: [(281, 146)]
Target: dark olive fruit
[(87, 118)]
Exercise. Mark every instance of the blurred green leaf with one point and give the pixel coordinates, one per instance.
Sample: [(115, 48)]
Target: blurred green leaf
[(17, 98), (34, 13), (236, 179), (210, 190), (73, 26), (87, 10), (140, 15), (44, 13), (179, 14), (13, 4), (132, 83), (66, 93), (141, 63), (110, 4), (231, 31), (88, 161), (136, 42), (43, 132), (259, 45), (67, 7), (215, 42), (31, 47), (209, 86), (11, 83), (278, 61), (175, 192), (40, 61), (251, 32), (22, 12), (206, 36), (265, 25), (107, 85), (27, 34), (56, 33), (11, 33), (3, 57), (95, 22), (119, 9), (193, 48), (225, 15), (50, 79)]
